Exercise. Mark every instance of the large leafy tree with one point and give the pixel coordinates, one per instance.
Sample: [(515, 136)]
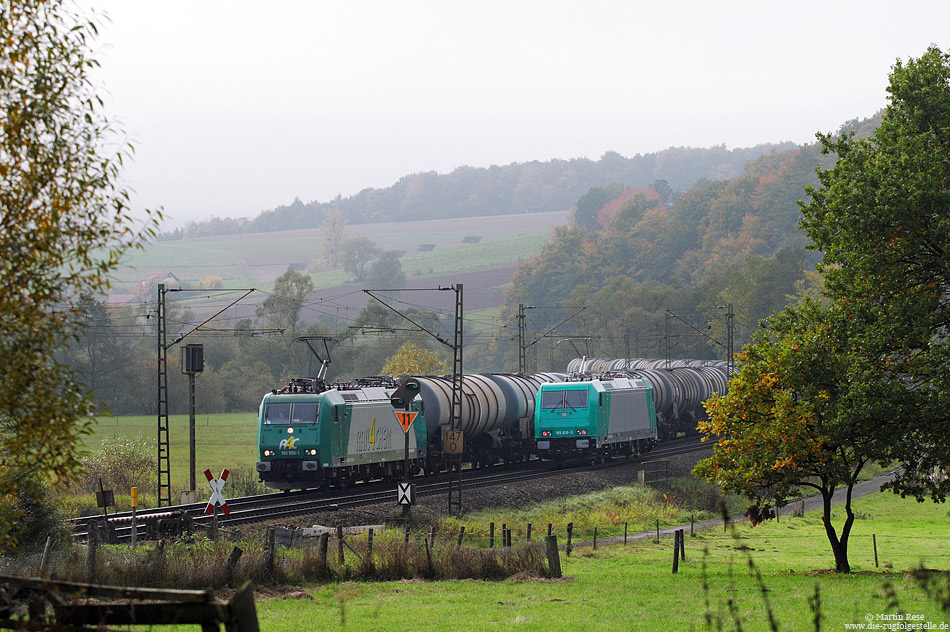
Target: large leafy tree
[(356, 255), (412, 359), (282, 308), (821, 393), (64, 224), (799, 415), (882, 217)]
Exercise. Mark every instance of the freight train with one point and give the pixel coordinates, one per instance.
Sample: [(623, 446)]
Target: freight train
[(316, 435)]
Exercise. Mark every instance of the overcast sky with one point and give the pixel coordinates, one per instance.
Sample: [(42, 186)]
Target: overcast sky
[(237, 107)]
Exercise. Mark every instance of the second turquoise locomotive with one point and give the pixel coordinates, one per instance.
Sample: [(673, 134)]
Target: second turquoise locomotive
[(593, 420)]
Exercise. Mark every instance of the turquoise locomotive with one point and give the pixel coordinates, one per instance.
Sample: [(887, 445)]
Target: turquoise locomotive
[(594, 420), (314, 437)]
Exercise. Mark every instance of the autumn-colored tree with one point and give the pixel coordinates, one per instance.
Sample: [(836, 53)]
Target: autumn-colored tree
[(211, 282), (64, 225), (799, 415), (412, 359), (882, 218), (823, 392)]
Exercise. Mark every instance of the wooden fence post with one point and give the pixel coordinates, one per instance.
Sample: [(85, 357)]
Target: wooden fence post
[(458, 544), (243, 611), (554, 557), (874, 539), (491, 535), (271, 549), (324, 545), (44, 561), (549, 528), (625, 534), (430, 571), (339, 545), (676, 551), (682, 544), (570, 535), (369, 545), (92, 543), (595, 538), (528, 537), (232, 564)]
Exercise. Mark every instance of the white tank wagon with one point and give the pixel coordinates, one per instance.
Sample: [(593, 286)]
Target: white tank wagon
[(520, 391), (496, 405)]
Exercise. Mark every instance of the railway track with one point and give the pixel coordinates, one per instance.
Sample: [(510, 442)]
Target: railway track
[(281, 506)]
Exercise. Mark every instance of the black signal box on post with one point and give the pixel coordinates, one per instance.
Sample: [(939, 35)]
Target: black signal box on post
[(403, 395), (192, 359)]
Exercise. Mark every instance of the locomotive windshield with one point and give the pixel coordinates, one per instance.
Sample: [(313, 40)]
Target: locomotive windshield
[(287, 413), (551, 400), (305, 413)]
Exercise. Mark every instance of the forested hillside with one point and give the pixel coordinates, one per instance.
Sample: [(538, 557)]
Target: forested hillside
[(657, 277), (637, 271), (554, 185)]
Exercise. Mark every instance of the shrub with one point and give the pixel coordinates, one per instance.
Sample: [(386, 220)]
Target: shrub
[(696, 494), (121, 463), (244, 481), (38, 516)]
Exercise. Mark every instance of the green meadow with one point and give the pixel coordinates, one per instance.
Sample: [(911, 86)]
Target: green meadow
[(221, 441), (244, 259), (736, 579), (735, 576)]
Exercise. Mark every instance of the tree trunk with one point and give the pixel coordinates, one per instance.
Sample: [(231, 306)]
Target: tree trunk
[(839, 546)]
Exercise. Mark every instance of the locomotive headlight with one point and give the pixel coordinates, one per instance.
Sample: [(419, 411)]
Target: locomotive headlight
[(290, 430), (313, 453), (268, 453)]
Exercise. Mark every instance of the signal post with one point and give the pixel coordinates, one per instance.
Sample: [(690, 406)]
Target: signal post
[(402, 398)]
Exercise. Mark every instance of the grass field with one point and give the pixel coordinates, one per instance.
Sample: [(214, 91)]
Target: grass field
[(254, 260), (221, 441), (617, 587), (632, 587)]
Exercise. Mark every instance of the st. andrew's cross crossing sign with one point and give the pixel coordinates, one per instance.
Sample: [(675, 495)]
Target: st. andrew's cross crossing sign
[(216, 497)]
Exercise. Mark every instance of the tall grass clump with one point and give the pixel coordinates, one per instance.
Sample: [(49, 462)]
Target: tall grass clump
[(639, 508), (197, 562)]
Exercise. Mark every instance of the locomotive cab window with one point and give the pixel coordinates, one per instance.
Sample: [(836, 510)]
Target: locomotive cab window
[(552, 399), (306, 413), (277, 413), (575, 399)]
